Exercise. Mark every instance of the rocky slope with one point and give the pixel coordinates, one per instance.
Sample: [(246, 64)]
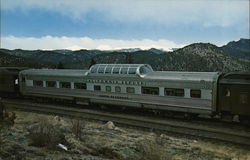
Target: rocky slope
[(240, 49), (195, 57)]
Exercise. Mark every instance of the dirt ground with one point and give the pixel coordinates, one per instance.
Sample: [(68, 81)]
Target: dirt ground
[(39, 137)]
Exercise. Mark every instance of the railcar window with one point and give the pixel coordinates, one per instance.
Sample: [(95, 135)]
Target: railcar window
[(118, 89), (101, 70), (132, 71), (116, 70), (174, 92), (108, 70), (244, 98), (144, 70), (50, 84), (150, 90), (80, 86), (130, 90), (37, 83), (16, 81), (124, 70), (227, 92), (64, 84), (97, 87), (108, 88), (195, 93), (94, 70)]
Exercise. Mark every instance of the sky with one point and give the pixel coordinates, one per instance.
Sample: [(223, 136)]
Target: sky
[(119, 24)]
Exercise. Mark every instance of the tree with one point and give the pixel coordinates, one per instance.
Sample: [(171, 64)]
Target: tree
[(129, 59), (92, 62)]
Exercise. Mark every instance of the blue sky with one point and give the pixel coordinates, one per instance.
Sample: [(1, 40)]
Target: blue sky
[(115, 24)]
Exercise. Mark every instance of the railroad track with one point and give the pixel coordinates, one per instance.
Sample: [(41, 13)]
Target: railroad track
[(240, 136)]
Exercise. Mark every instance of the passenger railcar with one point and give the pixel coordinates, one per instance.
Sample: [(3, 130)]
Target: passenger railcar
[(234, 95), (134, 85)]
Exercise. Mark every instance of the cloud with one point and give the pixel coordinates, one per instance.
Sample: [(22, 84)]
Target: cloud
[(165, 12), (76, 43)]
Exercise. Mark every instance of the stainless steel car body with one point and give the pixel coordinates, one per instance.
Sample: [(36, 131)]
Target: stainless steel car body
[(137, 77)]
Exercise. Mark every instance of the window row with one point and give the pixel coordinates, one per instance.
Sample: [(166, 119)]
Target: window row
[(177, 92), (114, 70), (61, 84), (117, 89)]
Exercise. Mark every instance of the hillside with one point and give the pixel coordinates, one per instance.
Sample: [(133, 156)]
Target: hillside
[(195, 57), (55, 56), (7, 60), (240, 49)]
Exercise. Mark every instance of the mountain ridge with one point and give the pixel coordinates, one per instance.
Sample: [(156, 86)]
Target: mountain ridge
[(240, 49), (193, 57)]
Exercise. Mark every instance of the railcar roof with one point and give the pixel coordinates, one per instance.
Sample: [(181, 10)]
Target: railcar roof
[(232, 75), (173, 75), (153, 75), (55, 72), (13, 68), (235, 78)]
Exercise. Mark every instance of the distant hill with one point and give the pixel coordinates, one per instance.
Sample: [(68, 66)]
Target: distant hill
[(240, 49), (7, 60), (54, 56), (195, 57)]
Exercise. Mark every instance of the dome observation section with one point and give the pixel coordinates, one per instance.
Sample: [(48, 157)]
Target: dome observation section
[(132, 69)]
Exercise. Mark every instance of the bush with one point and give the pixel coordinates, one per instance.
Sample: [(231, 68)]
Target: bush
[(77, 127), (9, 118), (152, 150), (45, 134)]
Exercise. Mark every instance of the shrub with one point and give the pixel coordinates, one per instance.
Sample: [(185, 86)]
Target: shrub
[(9, 118), (77, 127), (152, 150), (45, 134)]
